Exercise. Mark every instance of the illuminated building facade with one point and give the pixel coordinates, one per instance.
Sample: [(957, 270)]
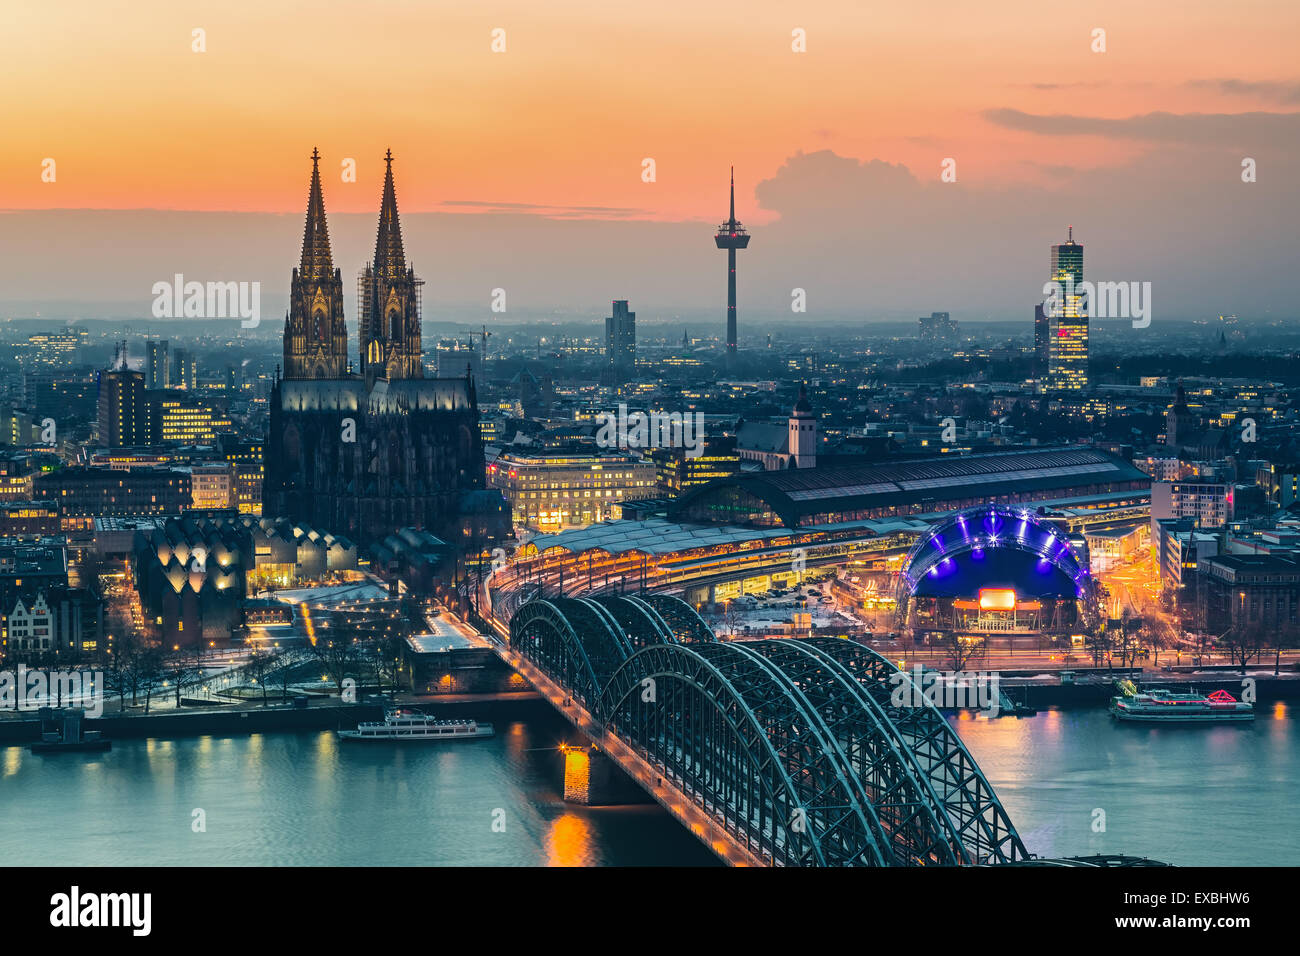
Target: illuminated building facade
[(122, 418), (676, 471), (1208, 503), (177, 419), (364, 455), (157, 365), (555, 490), (87, 492), (211, 486), (1067, 330)]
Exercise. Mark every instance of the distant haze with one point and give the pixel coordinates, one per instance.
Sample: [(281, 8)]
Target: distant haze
[(522, 170)]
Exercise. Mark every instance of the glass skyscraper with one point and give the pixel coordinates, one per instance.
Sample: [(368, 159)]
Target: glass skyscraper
[(1067, 320)]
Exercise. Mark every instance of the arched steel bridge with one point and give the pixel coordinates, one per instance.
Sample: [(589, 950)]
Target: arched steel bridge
[(796, 748)]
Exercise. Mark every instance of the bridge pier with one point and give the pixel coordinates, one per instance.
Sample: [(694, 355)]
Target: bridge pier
[(592, 779)]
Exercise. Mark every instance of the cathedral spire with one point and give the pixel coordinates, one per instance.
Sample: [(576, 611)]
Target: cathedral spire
[(317, 262), (390, 258), (315, 334), (389, 305)]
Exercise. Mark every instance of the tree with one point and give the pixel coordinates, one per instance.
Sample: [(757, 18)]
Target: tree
[(337, 655), (961, 650), (1285, 636), (1243, 645), (147, 674), (182, 672), (257, 668), (1097, 640)]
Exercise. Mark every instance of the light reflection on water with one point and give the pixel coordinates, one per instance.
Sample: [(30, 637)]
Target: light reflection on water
[(305, 799), (1193, 795)]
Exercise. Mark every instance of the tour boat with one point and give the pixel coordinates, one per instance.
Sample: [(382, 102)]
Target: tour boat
[(412, 725), (1166, 706)]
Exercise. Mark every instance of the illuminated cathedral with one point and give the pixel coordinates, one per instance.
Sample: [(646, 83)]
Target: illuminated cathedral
[(367, 452)]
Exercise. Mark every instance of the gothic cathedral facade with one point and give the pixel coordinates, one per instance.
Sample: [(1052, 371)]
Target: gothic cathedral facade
[(364, 454)]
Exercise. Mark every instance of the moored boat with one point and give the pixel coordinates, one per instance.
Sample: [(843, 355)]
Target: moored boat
[(410, 725), (1159, 705)]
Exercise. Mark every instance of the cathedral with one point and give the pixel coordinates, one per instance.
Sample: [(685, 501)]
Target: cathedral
[(365, 453)]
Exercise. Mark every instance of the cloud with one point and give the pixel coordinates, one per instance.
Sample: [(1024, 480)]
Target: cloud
[(1274, 92), (542, 209), (1276, 130), (865, 238)]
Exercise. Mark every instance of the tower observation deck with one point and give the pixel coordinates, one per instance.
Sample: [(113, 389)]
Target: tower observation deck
[(731, 236)]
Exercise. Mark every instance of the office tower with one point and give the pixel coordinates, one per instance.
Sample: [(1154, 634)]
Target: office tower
[(620, 344), (1067, 358), (937, 327), (1041, 338), (157, 365), (731, 236), (186, 371), (122, 418)]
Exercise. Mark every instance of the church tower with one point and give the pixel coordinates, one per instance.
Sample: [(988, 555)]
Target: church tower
[(802, 433), (315, 333), (389, 304), (1177, 417)]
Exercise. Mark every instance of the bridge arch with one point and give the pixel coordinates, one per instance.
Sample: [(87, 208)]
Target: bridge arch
[(804, 751), (742, 781), (981, 824), (543, 631)]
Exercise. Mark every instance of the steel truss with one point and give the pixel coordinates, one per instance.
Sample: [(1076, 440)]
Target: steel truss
[(796, 748)]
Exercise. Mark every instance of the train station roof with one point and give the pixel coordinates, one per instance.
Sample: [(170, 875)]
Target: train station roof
[(651, 536), (936, 484)]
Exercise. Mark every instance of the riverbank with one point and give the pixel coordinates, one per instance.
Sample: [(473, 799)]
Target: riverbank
[(236, 720), (1096, 688)]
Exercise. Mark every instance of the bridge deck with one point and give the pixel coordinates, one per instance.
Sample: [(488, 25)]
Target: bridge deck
[(680, 805)]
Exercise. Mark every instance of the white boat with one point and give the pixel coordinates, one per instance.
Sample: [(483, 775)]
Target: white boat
[(408, 725), (1165, 706)]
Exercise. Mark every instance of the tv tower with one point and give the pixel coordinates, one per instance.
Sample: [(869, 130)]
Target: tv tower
[(731, 236)]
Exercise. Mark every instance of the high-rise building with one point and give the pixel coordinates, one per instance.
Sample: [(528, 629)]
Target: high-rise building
[(620, 344), (677, 472), (157, 370), (186, 373), (731, 236), (122, 418), (937, 327), (1067, 314), (1041, 338)]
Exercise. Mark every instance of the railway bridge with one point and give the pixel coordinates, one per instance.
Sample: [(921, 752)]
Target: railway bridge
[(777, 752)]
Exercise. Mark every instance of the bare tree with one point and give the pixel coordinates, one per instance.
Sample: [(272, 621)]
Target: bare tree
[(961, 651), (1097, 640), (182, 671), (1285, 636), (1243, 645), (257, 668), (337, 655)]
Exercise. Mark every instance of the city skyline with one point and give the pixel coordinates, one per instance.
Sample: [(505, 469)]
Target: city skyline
[(397, 469), (1143, 154)]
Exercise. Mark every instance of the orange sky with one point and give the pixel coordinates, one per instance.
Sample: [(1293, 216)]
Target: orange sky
[(584, 91)]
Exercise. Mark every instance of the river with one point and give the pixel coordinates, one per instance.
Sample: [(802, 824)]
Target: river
[(1072, 781)]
